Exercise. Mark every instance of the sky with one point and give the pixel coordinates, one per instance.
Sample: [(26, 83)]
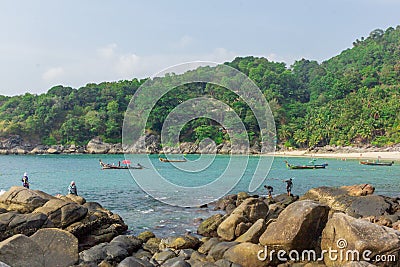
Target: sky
[(44, 43)]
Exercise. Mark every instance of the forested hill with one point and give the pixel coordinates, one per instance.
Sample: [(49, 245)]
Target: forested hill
[(350, 99)]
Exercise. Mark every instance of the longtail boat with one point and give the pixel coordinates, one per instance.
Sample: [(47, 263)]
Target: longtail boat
[(377, 163), (172, 160), (107, 166), (306, 167)]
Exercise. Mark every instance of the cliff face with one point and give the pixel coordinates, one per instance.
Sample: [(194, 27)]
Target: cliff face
[(149, 144)]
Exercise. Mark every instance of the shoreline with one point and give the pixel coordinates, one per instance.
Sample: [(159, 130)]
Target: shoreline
[(384, 155), (367, 155)]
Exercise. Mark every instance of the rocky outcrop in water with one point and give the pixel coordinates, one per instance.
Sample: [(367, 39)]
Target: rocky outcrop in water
[(25, 211), (251, 235)]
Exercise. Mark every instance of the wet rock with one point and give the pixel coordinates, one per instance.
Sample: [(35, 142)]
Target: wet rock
[(94, 254), (209, 226), (245, 254), (152, 245), (60, 248), (20, 251), (163, 256), (129, 243), (145, 236), (217, 251), (197, 256), (143, 254), (206, 246), (241, 196), (225, 201), (180, 242), (186, 253), (134, 262), (176, 262), (345, 232), (297, 227), (253, 234)]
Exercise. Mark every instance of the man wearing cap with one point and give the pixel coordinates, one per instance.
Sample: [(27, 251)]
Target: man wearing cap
[(72, 189), (25, 180)]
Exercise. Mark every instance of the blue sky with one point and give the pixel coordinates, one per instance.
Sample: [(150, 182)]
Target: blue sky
[(49, 42)]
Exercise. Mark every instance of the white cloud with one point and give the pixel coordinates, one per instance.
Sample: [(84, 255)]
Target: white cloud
[(127, 64), (107, 51), (53, 75)]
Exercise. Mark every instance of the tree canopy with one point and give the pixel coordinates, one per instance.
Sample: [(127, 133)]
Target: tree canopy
[(352, 98)]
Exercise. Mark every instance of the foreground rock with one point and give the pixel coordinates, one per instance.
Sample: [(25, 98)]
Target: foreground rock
[(26, 211), (346, 233), (356, 200), (241, 219), (20, 250), (297, 227), (47, 248), (59, 247)]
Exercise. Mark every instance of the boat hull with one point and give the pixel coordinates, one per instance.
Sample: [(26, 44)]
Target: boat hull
[(376, 163)]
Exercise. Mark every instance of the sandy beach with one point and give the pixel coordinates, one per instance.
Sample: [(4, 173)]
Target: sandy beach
[(338, 155)]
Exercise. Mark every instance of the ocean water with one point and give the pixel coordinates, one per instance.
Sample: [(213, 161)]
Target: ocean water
[(118, 191)]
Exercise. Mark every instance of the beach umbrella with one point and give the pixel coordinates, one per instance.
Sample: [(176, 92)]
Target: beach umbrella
[(125, 161)]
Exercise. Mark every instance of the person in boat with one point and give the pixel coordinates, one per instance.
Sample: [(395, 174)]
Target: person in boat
[(270, 189), (289, 185), (72, 189), (25, 180)]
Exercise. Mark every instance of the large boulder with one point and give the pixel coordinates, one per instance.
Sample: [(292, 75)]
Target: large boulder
[(14, 223), (21, 251), (359, 190), (23, 200), (226, 230), (250, 210), (97, 146), (180, 242), (62, 213), (355, 200), (253, 233), (368, 206), (217, 251), (297, 227), (209, 226), (247, 255), (134, 262), (60, 248), (347, 234)]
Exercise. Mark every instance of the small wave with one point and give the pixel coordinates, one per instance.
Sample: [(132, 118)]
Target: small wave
[(147, 211), (2, 192)]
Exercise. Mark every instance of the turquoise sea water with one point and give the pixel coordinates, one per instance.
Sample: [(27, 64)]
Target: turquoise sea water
[(118, 191)]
